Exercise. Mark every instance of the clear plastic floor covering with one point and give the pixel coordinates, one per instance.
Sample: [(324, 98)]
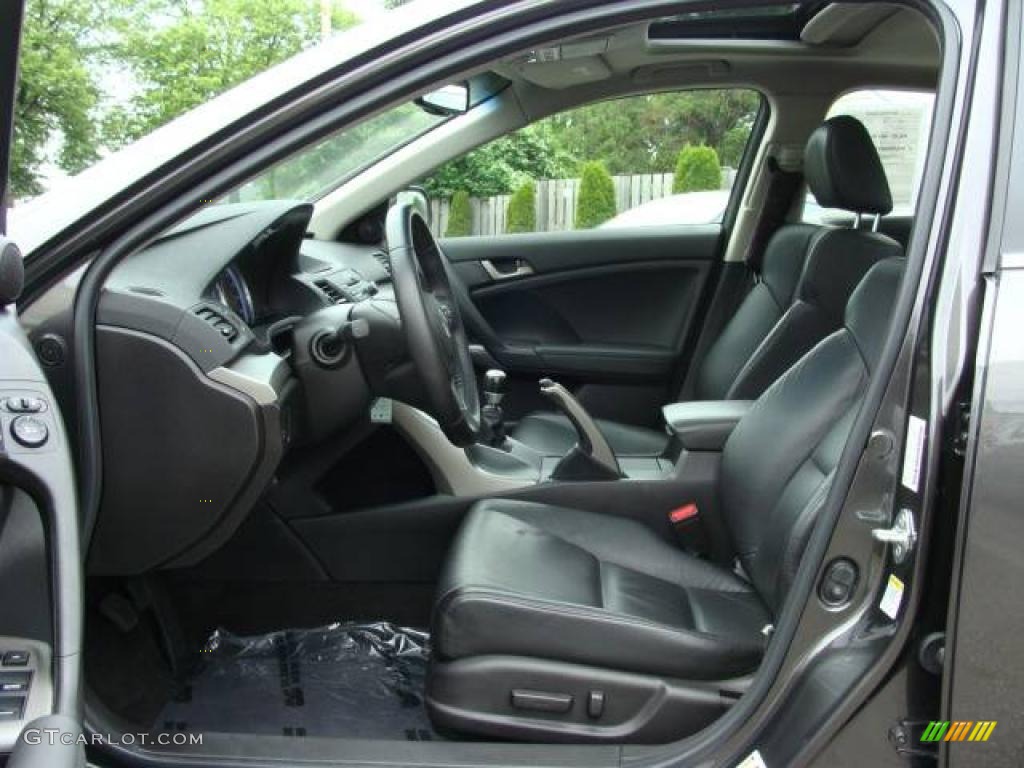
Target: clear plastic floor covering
[(339, 681)]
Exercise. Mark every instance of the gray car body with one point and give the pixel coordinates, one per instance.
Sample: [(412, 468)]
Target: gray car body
[(773, 717)]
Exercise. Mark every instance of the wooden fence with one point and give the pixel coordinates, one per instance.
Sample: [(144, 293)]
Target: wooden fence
[(556, 202)]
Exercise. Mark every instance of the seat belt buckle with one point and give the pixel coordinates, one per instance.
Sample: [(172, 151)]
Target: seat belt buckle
[(689, 529)]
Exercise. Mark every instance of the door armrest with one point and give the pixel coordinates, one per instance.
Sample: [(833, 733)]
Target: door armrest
[(704, 425)]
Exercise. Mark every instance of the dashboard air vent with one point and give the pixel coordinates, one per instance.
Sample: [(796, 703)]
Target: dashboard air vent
[(384, 261), (218, 322), (330, 290)]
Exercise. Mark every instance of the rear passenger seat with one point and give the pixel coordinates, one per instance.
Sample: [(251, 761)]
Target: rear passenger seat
[(808, 275)]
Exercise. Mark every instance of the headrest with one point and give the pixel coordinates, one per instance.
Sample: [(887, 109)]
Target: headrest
[(842, 168), (869, 310)]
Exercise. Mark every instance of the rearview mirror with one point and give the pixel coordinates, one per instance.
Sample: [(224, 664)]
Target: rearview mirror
[(449, 101)]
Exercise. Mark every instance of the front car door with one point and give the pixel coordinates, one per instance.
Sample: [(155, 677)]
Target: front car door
[(984, 675), (603, 283), (40, 589)]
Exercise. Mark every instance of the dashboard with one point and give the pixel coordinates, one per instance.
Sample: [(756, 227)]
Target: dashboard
[(204, 377), (251, 259)]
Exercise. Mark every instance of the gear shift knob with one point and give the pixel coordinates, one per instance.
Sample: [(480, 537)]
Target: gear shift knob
[(492, 414), (494, 386)]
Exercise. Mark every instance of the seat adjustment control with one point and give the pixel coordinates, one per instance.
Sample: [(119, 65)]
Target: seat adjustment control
[(542, 701)]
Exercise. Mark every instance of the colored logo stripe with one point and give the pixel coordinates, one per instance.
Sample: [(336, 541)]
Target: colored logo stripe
[(983, 730), (958, 730)]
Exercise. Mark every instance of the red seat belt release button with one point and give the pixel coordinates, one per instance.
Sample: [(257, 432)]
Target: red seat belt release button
[(689, 529), (683, 514)]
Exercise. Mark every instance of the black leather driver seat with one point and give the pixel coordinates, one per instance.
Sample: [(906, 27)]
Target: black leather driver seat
[(556, 623), (807, 276)]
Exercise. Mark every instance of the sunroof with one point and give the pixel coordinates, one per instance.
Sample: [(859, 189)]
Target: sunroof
[(780, 21)]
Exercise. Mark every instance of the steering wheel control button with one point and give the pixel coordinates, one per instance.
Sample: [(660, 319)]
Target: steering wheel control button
[(15, 659), (31, 432), (839, 582)]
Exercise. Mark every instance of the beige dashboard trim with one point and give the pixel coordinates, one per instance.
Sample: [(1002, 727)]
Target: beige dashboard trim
[(452, 470)]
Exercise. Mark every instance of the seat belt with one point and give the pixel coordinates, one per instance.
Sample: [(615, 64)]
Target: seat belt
[(782, 187)]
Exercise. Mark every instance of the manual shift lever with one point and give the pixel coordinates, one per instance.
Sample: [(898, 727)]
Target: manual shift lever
[(491, 412)]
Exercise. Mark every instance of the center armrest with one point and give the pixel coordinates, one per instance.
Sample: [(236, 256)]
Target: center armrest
[(704, 425)]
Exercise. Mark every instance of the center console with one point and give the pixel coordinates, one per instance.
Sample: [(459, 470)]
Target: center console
[(498, 463)]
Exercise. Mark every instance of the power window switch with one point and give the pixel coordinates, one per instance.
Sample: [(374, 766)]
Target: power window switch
[(14, 682), (11, 708), (15, 659)]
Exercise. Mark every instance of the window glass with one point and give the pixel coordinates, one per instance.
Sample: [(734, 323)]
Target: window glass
[(650, 160), (315, 171), (98, 75), (899, 123)]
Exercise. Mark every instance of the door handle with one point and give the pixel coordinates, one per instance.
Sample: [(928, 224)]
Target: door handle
[(506, 269)]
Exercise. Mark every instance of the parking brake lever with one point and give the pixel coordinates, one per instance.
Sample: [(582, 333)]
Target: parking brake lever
[(592, 457)]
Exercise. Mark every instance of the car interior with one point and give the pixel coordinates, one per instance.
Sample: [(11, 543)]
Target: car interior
[(364, 481)]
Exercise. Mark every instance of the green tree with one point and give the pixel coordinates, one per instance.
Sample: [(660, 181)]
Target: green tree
[(642, 134), (184, 53), (595, 202), (57, 92), (460, 216), (500, 167), (638, 134), (522, 212), (389, 4), (697, 169), (733, 144)]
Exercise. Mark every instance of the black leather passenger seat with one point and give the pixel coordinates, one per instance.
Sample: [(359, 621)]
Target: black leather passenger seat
[(530, 579), (560, 624), (808, 273)]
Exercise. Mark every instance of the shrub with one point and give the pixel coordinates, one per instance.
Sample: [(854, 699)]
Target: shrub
[(595, 203), (522, 214), (697, 169), (460, 216)]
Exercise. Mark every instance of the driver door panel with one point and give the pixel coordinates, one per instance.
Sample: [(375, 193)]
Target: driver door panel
[(606, 312)]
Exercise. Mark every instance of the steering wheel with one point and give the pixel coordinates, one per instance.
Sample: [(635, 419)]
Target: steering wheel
[(435, 335)]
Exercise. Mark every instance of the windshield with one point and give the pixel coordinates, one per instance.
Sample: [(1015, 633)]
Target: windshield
[(99, 77), (315, 171)]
